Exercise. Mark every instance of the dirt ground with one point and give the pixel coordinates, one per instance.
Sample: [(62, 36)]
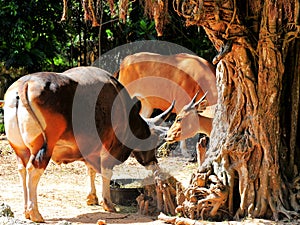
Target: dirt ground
[(63, 188)]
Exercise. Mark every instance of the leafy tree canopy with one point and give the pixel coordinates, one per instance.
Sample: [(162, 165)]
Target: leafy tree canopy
[(34, 37)]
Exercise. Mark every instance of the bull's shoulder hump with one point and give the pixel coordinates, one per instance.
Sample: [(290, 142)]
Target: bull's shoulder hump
[(88, 75), (40, 79), (37, 86)]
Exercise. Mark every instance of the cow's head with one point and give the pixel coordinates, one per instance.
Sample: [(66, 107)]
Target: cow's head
[(187, 122), (145, 154)]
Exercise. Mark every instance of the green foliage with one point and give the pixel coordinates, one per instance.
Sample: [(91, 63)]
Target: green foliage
[(33, 37), (193, 38), (145, 29), (2, 131), (110, 34), (31, 34)]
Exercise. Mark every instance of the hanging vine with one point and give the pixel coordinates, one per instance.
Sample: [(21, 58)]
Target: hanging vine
[(156, 9)]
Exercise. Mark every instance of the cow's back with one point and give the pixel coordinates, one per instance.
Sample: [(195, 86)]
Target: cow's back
[(165, 77)]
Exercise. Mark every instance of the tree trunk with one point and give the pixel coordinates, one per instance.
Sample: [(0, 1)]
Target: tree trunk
[(249, 138)]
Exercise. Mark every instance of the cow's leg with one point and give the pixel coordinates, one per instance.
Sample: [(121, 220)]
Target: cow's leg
[(106, 177), (22, 174), (201, 149), (34, 175), (92, 196), (184, 150)]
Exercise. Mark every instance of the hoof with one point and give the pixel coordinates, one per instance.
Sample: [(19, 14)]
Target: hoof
[(92, 199), (109, 207), (26, 214), (35, 217)]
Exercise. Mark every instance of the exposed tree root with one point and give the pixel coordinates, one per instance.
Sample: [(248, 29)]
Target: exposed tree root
[(159, 196), (205, 197), (295, 194)]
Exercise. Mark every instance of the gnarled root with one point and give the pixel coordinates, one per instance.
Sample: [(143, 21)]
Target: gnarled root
[(295, 194), (205, 197), (159, 196), (143, 204)]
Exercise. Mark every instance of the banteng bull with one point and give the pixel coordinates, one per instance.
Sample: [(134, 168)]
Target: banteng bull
[(158, 79), (82, 114)]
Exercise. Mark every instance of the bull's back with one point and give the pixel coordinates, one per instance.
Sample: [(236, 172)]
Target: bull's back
[(88, 75), (33, 107), (52, 98)]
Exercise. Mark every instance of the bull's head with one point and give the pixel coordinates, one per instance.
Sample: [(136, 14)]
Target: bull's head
[(155, 124), (143, 155), (188, 121)]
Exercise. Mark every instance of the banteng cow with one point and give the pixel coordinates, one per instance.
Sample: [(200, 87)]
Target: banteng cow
[(82, 114)]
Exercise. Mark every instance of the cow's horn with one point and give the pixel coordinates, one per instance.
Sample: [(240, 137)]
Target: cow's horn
[(191, 104), (164, 115), (202, 98)]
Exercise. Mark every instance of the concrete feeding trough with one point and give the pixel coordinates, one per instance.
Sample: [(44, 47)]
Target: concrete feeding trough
[(125, 191)]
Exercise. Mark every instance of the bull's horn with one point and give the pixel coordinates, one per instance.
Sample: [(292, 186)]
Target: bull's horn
[(201, 100), (163, 116)]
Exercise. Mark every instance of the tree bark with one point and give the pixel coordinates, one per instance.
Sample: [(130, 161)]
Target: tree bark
[(247, 138)]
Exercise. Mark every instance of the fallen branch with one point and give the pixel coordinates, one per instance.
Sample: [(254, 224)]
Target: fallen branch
[(177, 220)]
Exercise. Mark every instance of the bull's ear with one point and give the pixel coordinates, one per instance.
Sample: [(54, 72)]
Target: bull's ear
[(163, 116), (137, 103)]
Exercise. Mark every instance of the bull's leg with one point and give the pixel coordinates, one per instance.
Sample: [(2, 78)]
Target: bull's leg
[(34, 175), (22, 174), (92, 196), (106, 177)]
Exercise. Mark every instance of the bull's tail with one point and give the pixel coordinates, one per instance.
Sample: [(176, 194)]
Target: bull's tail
[(41, 156)]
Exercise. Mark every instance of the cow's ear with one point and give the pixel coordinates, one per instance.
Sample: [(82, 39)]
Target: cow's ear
[(137, 103)]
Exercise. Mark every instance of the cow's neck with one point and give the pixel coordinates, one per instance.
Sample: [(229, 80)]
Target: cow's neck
[(205, 125)]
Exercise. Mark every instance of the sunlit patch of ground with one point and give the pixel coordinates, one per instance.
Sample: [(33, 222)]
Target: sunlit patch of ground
[(62, 192)]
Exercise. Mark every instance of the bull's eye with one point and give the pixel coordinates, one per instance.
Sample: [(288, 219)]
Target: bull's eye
[(179, 119)]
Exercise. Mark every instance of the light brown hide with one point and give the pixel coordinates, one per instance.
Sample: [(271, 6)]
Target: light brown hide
[(159, 79)]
